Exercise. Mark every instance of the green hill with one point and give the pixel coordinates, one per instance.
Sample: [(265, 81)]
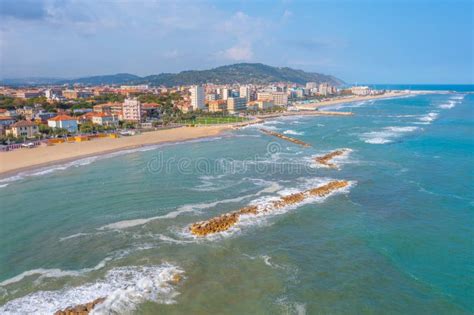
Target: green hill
[(243, 73), (240, 73)]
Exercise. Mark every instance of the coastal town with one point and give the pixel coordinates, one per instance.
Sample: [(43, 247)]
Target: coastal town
[(57, 112), (42, 125)]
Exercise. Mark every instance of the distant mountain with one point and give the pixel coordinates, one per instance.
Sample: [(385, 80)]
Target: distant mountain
[(240, 73), (119, 78), (243, 73), (29, 81)]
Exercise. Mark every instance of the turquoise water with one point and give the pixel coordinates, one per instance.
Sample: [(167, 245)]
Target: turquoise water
[(398, 240)]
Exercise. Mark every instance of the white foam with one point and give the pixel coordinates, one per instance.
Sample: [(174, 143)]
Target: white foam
[(402, 129), (387, 134), (75, 236), (448, 105), (428, 118), (458, 97), (124, 288), (267, 261), (266, 203), (349, 105), (293, 132), (185, 209), (212, 183), (337, 160), (291, 307), (49, 169), (377, 140), (53, 273)]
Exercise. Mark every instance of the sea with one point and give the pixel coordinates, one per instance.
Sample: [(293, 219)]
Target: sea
[(397, 240)]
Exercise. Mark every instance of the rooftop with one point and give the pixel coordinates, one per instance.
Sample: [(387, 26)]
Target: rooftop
[(61, 118), (23, 123)]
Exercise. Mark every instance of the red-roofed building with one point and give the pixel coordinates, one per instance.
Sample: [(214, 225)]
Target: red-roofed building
[(104, 119), (150, 109), (23, 128), (87, 117), (64, 122)]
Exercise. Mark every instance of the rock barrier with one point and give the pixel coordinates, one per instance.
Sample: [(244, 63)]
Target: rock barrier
[(226, 221), (85, 309), (81, 309), (281, 136), (325, 159)]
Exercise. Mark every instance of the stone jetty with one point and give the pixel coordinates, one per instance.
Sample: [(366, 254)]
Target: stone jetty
[(226, 221), (325, 159), (81, 309), (281, 136), (85, 309)]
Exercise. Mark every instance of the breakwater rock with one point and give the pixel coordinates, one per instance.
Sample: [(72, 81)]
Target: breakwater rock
[(81, 309), (226, 221), (325, 159), (281, 136)]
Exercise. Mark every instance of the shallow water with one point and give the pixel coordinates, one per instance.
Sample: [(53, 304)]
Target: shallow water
[(399, 239)]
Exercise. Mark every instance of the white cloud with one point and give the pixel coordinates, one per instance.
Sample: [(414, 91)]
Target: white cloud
[(244, 30), (161, 35), (240, 52)]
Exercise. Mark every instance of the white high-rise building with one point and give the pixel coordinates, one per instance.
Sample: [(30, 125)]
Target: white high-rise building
[(225, 93), (311, 85), (244, 92), (280, 98), (132, 110), (197, 97)]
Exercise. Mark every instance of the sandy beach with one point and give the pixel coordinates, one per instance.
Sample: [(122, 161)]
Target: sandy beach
[(24, 159)]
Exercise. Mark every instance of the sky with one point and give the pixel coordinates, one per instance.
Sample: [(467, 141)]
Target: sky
[(359, 41)]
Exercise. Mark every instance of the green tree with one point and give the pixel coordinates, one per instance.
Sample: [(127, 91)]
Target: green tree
[(86, 127)]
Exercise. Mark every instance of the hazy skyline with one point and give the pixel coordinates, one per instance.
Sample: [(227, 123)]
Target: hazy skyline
[(357, 41)]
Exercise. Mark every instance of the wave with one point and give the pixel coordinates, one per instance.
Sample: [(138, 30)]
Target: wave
[(452, 102), (272, 187), (75, 236), (267, 261), (428, 118), (47, 170), (211, 183), (123, 287), (54, 273), (448, 105), (349, 105), (293, 132), (458, 97), (387, 134), (288, 307)]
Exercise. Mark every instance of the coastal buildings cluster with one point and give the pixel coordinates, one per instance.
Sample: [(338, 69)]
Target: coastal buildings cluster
[(27, 113)]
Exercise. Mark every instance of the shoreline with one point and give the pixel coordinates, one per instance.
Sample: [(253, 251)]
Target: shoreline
[(17, 161), (23, 160)]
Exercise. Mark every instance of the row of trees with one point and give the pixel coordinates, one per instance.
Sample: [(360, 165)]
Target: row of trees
[(44, 131), (8, 102)]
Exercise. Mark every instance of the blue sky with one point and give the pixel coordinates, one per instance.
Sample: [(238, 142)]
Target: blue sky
[(357, 41)]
